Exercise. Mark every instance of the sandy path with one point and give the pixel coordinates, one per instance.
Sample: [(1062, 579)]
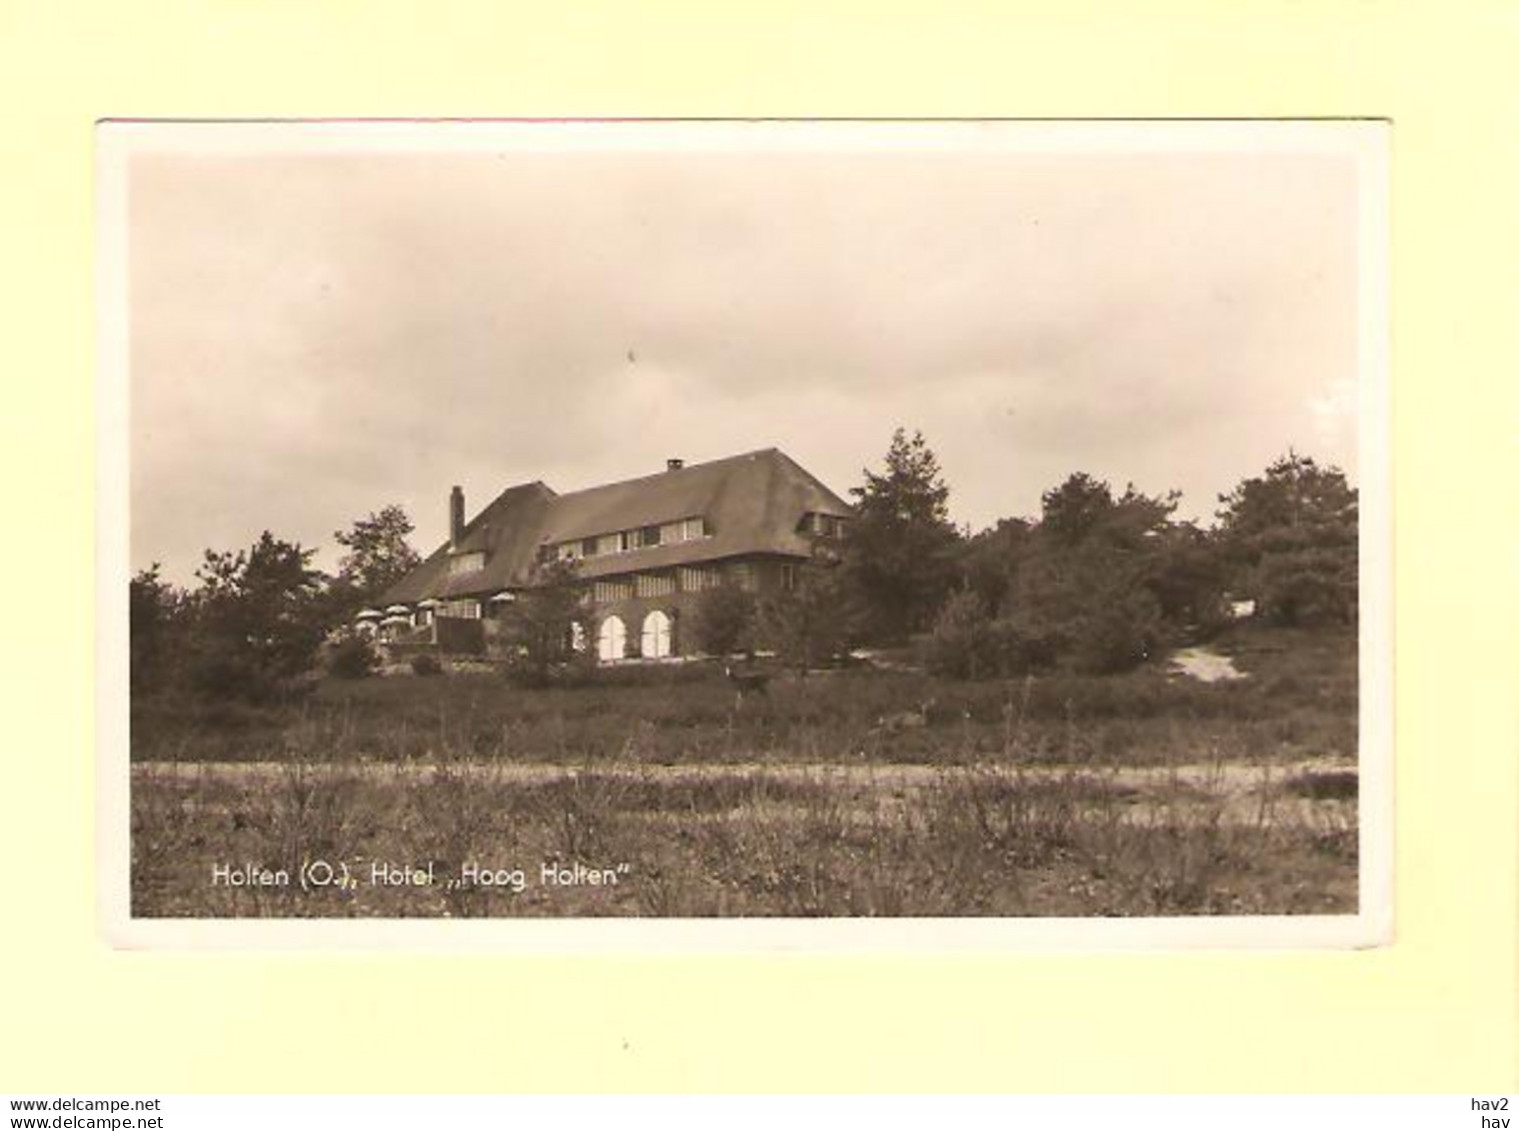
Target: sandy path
[(1214, 777), (1237, 790), (1204, 664)]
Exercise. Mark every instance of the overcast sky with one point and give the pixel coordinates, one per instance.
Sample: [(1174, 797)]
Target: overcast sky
[(316, 335)]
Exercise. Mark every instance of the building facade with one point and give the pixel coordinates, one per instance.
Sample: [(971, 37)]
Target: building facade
[(646, 550)]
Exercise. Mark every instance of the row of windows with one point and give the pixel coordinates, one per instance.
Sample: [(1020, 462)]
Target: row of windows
[(465, 609), (684, 579), (657, 639), (607, 591), (625, 541), (698, 579)]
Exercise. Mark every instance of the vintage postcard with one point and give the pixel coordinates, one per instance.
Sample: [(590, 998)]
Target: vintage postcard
[(713, 535)]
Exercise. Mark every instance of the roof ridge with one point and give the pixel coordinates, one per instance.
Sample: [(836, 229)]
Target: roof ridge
[(653, 476)]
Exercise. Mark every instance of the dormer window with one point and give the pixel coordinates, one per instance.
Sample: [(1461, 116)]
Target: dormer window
[(639, 538), (470, 562), (643, 538), (823, 525)]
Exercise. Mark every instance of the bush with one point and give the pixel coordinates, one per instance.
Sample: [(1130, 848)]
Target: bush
[(967, 644), (426, 664), (573, 669), (814, 622), (963, 644), (1118, 634), (724, 621), (1023, 647), (1306, 588), (353, 657)]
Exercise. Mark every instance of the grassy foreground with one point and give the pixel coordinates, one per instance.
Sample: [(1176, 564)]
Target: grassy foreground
[(859, 793)]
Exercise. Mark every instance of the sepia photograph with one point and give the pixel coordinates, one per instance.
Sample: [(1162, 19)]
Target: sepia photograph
[(964, 523)]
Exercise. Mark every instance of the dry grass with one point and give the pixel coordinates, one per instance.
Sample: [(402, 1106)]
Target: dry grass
[(1135, 795)]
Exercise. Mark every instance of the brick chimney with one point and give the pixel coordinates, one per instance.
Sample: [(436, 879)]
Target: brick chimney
[(456, 517), (674, 464)]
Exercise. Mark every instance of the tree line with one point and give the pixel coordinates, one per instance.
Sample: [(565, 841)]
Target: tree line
[(252, 626), (1098, 581)]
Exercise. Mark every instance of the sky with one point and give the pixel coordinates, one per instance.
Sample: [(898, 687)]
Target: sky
[(315, 334)]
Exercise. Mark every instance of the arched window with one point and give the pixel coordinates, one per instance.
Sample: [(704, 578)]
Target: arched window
[(656, 635), (612, 640)]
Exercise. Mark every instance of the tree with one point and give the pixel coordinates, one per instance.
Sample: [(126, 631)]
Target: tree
[(989, 561), (900, 548), (1087, 580), (814, 621), (1188, 579), (724, 621), (258, 620), (157, 611), (539, 629), (378, 554), (1289, 538)]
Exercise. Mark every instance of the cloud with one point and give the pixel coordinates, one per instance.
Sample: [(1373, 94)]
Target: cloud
[(313, 336)]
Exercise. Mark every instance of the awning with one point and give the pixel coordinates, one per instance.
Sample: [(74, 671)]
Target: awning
[(368, 614)]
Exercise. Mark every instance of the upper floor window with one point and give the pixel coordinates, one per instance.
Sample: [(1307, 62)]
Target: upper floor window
[(824, 525), (638, 538), (467, 563)]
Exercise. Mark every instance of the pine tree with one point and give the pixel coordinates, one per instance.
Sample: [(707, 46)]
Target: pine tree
[(901, 546)]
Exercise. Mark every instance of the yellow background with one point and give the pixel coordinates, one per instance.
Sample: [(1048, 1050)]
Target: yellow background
[(1435, 1011)]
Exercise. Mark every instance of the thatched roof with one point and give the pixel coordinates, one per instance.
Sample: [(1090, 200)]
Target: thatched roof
[(751, 504)]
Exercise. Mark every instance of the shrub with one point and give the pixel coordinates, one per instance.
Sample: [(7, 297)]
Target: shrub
[(353, 657), (724, 621), (1024, 647), (813, 622), (573, 669), (546, 628), (426, 664), (1118, 634), (1313, 587), (967, 644), (963, 644)]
